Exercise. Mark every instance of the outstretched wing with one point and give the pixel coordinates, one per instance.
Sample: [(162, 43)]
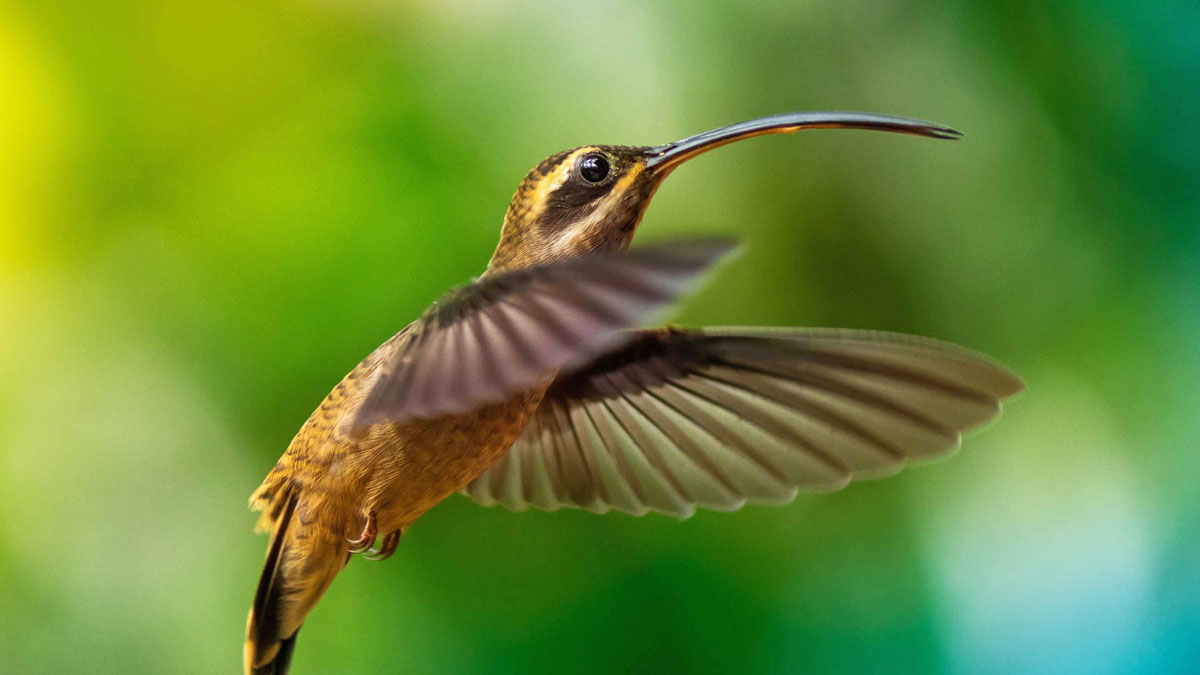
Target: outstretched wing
[(505, 333), (680, 418)]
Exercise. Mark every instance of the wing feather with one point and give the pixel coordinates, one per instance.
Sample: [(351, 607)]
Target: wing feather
[(677, 419), (507, 333)]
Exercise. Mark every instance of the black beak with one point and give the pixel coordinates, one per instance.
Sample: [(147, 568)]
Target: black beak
[(663, 158)]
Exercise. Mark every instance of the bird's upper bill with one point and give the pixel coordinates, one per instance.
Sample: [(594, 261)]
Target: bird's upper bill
[(661, 159)]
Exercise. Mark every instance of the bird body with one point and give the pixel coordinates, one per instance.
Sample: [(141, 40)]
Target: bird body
[(395, 471), (338, 483), (536, 385)]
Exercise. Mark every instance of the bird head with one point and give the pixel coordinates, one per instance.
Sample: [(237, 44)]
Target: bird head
[(591, 198)]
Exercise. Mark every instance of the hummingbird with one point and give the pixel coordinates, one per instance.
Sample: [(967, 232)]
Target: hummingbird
[(547, 383)]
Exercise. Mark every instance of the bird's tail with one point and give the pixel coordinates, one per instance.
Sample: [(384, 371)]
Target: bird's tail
[(301, 563)]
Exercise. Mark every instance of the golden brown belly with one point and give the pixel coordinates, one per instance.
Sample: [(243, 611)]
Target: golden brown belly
[(406, 469)]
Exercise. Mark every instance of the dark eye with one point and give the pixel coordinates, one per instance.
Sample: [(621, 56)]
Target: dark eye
[(593, 168)]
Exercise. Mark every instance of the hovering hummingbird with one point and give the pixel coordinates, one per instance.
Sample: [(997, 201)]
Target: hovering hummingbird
[(538, 385)]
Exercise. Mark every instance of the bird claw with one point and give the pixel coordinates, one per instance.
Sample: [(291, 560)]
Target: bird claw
[(367, 540), (386, 548)]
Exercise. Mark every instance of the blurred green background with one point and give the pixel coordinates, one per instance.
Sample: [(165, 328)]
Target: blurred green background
[(210, 211)]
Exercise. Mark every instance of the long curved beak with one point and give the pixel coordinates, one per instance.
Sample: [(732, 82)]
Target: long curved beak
[(661, 159)]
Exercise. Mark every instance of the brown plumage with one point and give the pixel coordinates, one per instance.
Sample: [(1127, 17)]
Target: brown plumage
[(533, 386)]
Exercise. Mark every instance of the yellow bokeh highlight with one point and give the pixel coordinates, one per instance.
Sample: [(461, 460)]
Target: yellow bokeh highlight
[(36, 132)]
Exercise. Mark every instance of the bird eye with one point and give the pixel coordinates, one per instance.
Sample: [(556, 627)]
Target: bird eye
[(593, 168)]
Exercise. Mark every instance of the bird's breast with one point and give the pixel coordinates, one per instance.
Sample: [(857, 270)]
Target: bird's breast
[(413, 465)]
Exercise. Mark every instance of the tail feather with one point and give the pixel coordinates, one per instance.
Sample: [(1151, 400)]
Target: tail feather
[(262, 626), (301, 563), (281, 662)]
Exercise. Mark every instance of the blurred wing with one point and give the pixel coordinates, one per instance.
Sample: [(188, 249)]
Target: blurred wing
[(679, 418), (506, 333)]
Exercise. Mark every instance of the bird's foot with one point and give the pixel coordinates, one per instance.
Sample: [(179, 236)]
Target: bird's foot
[(364, 542), (386, 548)]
